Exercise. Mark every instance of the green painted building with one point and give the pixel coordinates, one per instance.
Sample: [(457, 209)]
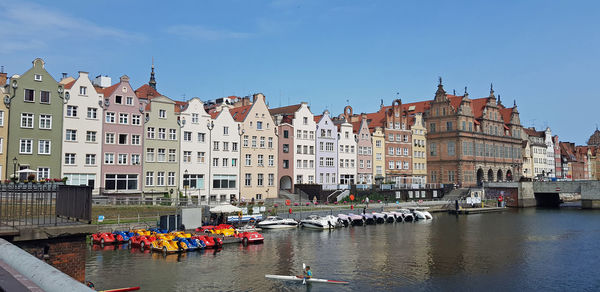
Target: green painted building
[(35, 128), (161, 147)]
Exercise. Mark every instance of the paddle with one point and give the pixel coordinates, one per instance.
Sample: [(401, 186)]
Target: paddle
[(303, 271)]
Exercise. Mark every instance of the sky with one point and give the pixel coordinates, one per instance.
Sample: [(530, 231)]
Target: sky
[(543, 54)]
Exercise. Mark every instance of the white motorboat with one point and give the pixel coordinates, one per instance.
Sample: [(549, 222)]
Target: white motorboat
[(397, 215), (344, 219), (389, 217), (318, 222), (407, 216), (356, 220), (276, 222), (379, 217), (421, 213)]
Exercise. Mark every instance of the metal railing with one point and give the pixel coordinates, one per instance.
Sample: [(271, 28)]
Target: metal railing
[(30, 205)]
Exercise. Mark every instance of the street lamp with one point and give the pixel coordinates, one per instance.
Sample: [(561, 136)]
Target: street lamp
[(210, 125), (241, 132), (185, 186), (15, 161)]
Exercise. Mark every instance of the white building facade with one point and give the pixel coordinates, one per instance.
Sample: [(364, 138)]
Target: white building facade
[(224, 158), (550, 159), (82, 152), (347, 149), (194, 150), (304, 142)]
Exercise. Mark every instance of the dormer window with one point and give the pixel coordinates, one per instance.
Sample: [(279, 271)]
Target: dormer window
[(37, 77), (118, 99), (129, 100), (162, 114), (82, 90)]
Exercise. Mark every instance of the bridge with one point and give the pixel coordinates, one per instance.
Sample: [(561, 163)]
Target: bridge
[(546, 193)]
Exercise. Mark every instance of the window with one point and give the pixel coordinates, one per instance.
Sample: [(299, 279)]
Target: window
[(194, 118), (286, 164), (432, 149), (172, 155), (122, 139), (225, 130), (448, 126), (71, 135), (187, 156), (194, 181), (259, 125), (286, 134), (378, 156), (29, 95), (201, 137), (199, 156), (122, 159), (260, 178), (162, 114), (161, 156), (160, 178), (43, 173), (118, 99), (150, 133), (45, 96), (92, 113), (187, 136), (271, 179), (109, 158), (172, 134), (451, 148), (260, 160), (135, 159), (26, 120), (270, 143), (225, 162), (135, 140), (432, 127), (121, 182), (405, 151), (234, 146), (1, 118), (37, 77), (150, 154), (123, 119), (171, 178), (162, 133), (71, 111), (271, 160), (44, 147), (129, 100), (248, 180), (90, 159), (225, 146), (150, 178), (253, 141), (135, 119), (248, 159), (109, 138), (45, 121), (405, 164), (262, 142), (233, 162), (110, 118), (216, 145), (245, 141)]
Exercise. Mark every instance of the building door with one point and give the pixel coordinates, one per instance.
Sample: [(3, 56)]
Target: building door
[(479, 177)]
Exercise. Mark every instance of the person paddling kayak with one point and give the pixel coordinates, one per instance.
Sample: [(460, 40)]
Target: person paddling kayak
[(307, 273)]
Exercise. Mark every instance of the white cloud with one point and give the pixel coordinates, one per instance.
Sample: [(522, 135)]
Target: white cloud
[(27, 26), (204, 33)]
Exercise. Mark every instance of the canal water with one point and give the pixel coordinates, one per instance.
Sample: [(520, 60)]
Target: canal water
[(519, 249)]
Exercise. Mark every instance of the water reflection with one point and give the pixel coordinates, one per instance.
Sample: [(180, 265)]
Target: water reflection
[(514, 250)]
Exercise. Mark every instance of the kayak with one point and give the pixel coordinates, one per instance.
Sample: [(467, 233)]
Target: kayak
[(296, 278)]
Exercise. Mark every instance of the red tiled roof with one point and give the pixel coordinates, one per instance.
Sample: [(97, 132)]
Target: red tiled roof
[(70, 84), (240, 113), (109, 90), (145, 91), (287, 119), (477, 106), (290, 109), (317, 118), (506, 113), (180, 105), (533, 132), (214, 114)]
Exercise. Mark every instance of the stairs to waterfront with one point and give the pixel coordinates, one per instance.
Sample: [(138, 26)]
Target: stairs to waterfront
[(456, 194)]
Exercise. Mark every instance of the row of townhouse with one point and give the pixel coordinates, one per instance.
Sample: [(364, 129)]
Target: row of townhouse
[(122, 140)]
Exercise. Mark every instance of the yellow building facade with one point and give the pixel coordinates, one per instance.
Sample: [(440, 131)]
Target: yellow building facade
[(419, 140), (378, 153)]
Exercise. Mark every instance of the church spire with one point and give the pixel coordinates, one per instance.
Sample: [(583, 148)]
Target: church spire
[(440, 94), (492, 90), (152, 81)]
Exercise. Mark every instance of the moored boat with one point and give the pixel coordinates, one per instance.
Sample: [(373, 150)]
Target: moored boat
[(344, 219), (379, 218), (276, 222), (356, 220), (318, 222)]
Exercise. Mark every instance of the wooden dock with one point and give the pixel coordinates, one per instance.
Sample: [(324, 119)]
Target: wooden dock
[(467, 211)]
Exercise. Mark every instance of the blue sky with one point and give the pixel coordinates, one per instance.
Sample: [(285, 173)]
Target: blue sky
[(544, 54)]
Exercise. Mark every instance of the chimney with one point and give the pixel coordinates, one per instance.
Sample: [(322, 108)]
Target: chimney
[(2, 79), (64, 75)]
